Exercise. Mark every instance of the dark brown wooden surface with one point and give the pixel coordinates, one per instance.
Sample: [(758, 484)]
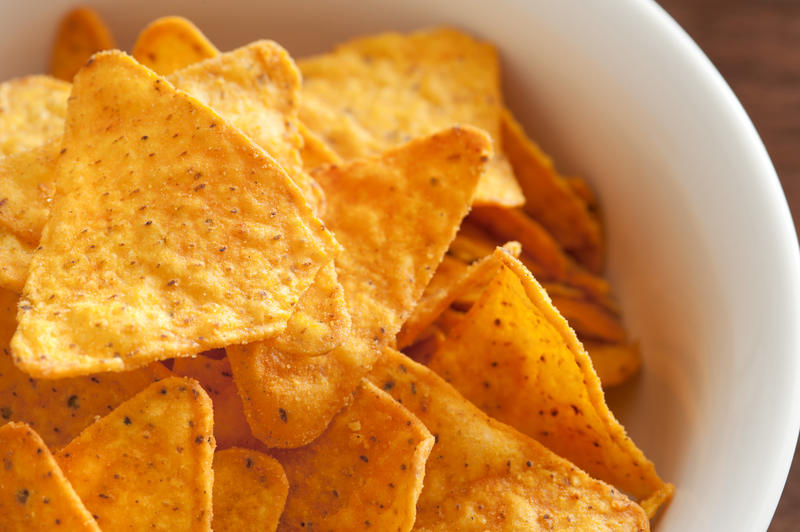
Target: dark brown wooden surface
[(755, 44)]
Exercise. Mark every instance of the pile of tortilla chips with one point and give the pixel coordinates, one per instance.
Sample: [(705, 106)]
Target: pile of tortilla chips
[(210, 263)]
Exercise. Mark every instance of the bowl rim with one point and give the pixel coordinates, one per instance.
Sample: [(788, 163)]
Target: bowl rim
[(705, 74)]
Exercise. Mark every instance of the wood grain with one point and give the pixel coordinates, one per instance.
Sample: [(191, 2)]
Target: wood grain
[(756, 47)]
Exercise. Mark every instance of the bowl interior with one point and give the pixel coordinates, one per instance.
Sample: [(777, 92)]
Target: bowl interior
[(702, 251)]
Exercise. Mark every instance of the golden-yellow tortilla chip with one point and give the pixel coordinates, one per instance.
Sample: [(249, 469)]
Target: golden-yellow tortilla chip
[(484, 475), (539, 247), (364, 472), (170, 233), (147, 464), (452, 279), (284, 382), (394, 216), (32, 111), (80, 35), (515, 357), (34, 494), (15, 259), (378, 91), (171, 43), (216, 378), (315, 152), (549, 198), (614, 363), (257, 89), (250, 491), (60, 409)]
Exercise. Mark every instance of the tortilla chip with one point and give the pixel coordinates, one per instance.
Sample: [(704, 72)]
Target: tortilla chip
[(540, 247), (452, 279), (257, 89), (515, 357), (147, 464), (364, 472), (374, 92), (428, 342), (582, 189), (614, 363), (216, 378), (284, 382), (550, 200), (590, 320), (15, 260), (59, 410), (250, 491), (170, 233), (32, 111), (394, 216), (80, 35), (27, 185), (315, 153), (484, 475), (34, 494), (171, 43)]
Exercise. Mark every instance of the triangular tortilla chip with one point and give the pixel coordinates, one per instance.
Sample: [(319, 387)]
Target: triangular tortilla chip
[(32, 111), (60, 409), (257, 89), (550, 199), (515, 357), (395, 216), (170, 233), (378, 91), (215, 376), (80, 35), (364, 472), (250, 491), (484, 475), (34, 494), (451, 279), (147, 464), (285, 383), (170, 43), (540, 247)]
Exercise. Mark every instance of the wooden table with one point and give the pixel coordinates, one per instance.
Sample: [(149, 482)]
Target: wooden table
[(755, 44)]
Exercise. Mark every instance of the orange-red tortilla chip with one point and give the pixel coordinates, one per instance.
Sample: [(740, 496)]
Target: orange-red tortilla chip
[(170, 233), (147, 464), (80, 35), (34, 494), (171, 43), (539, 247), (364, 472), (484, 475), (515, 357), (216, 378), (549, 198), (257, 89), (394, 216), (250, 491), (378, 91), (614, 363), (590, 320), (32, 111)]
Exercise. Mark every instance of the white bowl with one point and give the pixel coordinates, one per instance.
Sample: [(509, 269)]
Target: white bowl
[(702, 249)]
